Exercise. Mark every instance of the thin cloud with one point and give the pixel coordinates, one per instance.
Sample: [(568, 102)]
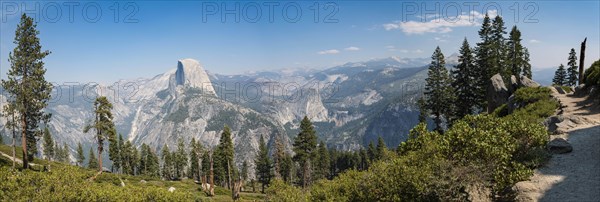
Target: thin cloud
[(327, 52), (352, 48), (534, 41), (439, 24)]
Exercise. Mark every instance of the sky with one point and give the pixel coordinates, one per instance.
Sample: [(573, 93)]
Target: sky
[(104, 41)]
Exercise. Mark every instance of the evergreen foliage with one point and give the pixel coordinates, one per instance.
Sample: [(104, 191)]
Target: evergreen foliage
[(27, 87), (572, 70), (560, 76), (438, 89), (263, 164), (464, 81), (48, 144), (305, 147), (80, 158)]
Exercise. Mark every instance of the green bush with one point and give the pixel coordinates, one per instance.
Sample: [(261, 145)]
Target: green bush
[(68, 183), (528, 95), (282, 192), (592, 74)]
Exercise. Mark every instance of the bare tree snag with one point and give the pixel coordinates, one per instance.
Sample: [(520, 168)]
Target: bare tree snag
[(581, 60)]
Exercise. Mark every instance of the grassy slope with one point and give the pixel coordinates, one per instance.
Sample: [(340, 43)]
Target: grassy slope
[(185, 189)]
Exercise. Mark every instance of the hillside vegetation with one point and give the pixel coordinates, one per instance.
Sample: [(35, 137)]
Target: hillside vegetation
[(70, 183), (484, 154)]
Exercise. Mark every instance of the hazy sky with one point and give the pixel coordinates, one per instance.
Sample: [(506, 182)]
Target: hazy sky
[(106, 40)]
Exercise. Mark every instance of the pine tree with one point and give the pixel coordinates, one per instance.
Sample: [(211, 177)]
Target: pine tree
[(422, 110), (287, 168), (526, 66), (363, 159), (572, 70), (143, 160), (278, 155), (57, 152), (118, 160), (263, 164), (167, 169), (27, 86), (80, 156), (464, 82), (103, 125), (371, 152), (148, 161), (305, 146), (65, 154), (225, 155), (482, 70), (560, 76), (92, 162), (516, 59), (127, 158), (244, 171), (195, 158), (438, 89), (322, 164), (48, 144), (381, 148), (181, 159), (499, 50), (153, 166), (114, 152)]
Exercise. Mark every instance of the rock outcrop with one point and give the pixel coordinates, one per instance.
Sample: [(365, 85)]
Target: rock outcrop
[(497, 93), (559, 146), (526, 82), (190, 73)]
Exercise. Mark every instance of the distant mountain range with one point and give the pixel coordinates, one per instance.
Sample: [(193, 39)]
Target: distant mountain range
[(350, 105)]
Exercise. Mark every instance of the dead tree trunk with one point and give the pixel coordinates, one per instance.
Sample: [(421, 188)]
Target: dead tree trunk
[(235, 189), (581, 60), (14, 137), (211, 191), (24, 142)]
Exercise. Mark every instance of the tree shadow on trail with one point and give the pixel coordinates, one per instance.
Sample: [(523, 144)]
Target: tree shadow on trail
[(579, 169)]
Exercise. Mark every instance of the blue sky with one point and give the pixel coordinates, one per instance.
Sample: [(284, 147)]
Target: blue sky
[(161, 32)]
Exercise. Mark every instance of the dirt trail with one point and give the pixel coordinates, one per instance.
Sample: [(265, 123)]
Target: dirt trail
[(17, 160), (572, 176)]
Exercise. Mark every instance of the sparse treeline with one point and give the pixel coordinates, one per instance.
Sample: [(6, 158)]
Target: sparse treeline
[(569, 76)]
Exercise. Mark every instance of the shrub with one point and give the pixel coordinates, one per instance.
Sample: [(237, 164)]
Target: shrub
[(282, 192), (592, 74), (528, 95), (67, 183)]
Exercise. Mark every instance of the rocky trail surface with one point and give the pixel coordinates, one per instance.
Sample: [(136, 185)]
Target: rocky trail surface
[(572, 176)]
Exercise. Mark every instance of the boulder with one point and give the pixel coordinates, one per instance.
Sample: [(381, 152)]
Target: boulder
[(559, 146), (560, 90), (497, 93), (552, 123), (526, 82), (171, 189), (143, 181), (514, 83)]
